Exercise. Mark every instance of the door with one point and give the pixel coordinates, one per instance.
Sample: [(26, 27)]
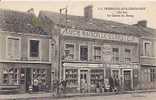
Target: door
[(28, 78), (127, 80), (84, 79)]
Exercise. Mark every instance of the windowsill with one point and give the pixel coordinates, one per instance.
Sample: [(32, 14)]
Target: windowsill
[(148, 57), (34, 58)]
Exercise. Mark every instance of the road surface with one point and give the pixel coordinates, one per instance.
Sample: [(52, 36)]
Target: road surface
[(136, 96)]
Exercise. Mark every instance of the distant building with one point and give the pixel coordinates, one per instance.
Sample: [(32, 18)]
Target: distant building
[(94, 50), (24, 52)]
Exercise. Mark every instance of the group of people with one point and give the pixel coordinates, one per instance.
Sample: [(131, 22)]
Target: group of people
[(59, 86)]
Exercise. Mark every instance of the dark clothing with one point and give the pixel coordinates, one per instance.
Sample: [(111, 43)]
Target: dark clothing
[(111, 83)]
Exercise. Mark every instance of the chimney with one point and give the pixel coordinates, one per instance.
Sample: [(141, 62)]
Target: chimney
[(88, 12), (142, 23)]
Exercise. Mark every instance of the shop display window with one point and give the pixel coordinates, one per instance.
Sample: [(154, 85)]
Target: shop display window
[(10, 76), (71, 75), (97, 76), (41, 76)]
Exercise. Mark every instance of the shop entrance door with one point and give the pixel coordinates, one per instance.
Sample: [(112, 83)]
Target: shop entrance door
[(127, 80), (28, 78), (84, 80)]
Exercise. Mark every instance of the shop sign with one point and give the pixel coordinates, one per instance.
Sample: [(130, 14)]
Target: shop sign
[(98, 35), (82, 65)]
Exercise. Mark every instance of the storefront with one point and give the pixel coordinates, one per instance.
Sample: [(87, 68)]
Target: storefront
[(82, 77), (87, 76), (25, 75)]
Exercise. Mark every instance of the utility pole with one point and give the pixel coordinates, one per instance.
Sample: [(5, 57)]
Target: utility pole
[(60, 42)]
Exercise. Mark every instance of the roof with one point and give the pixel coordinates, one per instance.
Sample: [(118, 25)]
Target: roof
[(94, 24), (16, 21)]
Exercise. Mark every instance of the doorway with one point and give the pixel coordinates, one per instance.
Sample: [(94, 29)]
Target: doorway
[(28, 79), (127, 80), (84, 80)]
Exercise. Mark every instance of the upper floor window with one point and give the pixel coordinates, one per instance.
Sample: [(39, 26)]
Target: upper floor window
[(13, 47), (83, 53), (127, 55), (97, 53), (69, 51), (115, 54), (34, 48), (147, 48)]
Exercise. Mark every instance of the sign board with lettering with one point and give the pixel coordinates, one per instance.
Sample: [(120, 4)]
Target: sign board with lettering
[(99, 35)]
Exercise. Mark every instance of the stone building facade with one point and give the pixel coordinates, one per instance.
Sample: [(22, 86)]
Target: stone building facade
[(24, 52), (93, 50)]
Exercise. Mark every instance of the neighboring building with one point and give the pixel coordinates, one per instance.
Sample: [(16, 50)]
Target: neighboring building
[(93, 50), (24, 52), (147, 56)]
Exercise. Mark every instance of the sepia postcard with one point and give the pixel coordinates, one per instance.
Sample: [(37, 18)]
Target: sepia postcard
[(77, 49)]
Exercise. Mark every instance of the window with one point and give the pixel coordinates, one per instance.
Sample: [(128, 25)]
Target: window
[(115, 54), (152, 75), (97, 53), (147, 48), (10, 76), (34, 48), (127, 55), (83, 53), (13, 48), (69, 51)]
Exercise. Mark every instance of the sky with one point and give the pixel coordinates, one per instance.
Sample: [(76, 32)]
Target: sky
[(121, 10)]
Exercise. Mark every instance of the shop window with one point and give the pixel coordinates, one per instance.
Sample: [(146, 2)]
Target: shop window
[(71, 76), (10, 76), (34, 48), (115, 55), (41, 76), (83, 53), (152, 75), (13, 48), (97, 53), (147, 48), (97, 76), (127, 55), (69, 51)]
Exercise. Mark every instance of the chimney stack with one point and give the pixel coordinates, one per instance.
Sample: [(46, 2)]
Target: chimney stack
[(88, 12), (142, 23)]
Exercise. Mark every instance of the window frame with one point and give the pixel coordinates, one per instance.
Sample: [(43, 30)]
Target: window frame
[(128, 56), (144, 51), (74, 54), (13, 37), (80, 52), (99, 46), (115, 61), (40, 50)]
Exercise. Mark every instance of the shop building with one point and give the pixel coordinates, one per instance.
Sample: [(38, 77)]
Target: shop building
[(147, 56), (24, 52), (92, 50)]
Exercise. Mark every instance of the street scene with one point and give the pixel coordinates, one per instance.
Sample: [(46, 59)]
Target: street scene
[(72, 50)]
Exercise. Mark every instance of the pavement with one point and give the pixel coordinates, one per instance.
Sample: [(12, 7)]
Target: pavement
[(51, 95)]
